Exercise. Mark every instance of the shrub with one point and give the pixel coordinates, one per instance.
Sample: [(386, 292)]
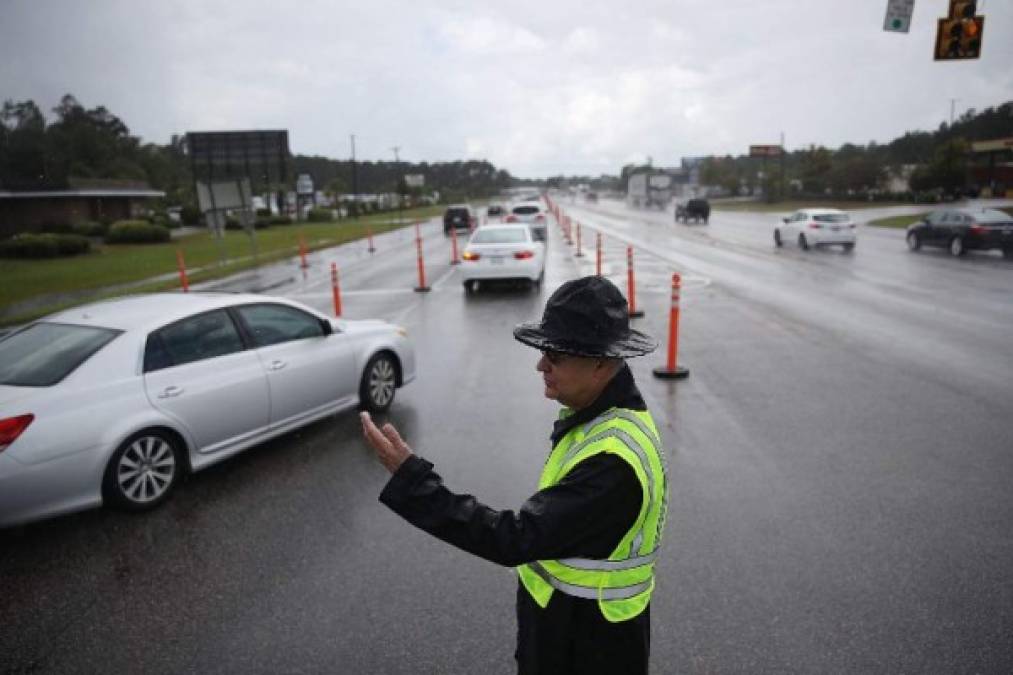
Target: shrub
[(90, 228), (266, 213), (136, 232), (280, 220), (44, 246), (190, 215), (58, 228), (319, 216), (261, 222)]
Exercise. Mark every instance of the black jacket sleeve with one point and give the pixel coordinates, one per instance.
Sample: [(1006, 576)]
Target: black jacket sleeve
[(584, 515)]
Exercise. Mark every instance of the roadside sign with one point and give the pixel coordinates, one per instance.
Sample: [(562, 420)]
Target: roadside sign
[(304, 184), (414, 179), (898, 15), (765, 150)]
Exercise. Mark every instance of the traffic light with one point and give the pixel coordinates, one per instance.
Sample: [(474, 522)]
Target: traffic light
[(959, 34)]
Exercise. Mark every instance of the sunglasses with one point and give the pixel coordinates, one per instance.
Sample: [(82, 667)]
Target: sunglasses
[(555, 358)]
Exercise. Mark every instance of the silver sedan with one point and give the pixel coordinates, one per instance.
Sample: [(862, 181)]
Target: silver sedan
[(112, 402)]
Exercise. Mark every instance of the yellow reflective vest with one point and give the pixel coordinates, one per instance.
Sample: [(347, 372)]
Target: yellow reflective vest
[(622, 584)]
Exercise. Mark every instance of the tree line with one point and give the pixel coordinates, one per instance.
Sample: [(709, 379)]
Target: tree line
[(93, 143), (940, 159)]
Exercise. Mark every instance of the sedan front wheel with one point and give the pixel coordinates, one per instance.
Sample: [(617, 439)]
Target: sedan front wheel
[(379, 380), (142, 472), (914, 242)]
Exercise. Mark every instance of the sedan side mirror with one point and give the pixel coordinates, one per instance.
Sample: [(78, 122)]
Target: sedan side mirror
[(326, 326), (785, 220)]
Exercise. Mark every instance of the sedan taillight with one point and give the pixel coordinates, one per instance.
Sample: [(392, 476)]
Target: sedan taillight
[(978, 230), (524, 255), (815, 226), (511, 218), (540, 218), (471, 255), (12, 427)]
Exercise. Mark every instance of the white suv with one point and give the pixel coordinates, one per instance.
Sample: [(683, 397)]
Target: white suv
[(816, 227)]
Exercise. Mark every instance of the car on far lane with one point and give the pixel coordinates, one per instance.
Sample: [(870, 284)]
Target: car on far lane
[(816, 227), (961, 230), (112, 402), (531, 213), (495, 212), (697, 209), (459, 216), (502, 252)]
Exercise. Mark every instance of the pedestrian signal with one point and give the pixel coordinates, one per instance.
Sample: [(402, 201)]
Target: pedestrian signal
[(959, 34)]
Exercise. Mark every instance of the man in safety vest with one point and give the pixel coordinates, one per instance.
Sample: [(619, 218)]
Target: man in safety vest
[(586, 542)]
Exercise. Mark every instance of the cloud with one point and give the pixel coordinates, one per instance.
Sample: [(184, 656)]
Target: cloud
[(538, 88)]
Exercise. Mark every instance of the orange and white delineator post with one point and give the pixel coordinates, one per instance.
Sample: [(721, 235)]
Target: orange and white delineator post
[(579, 253), (421, 288), (671, 370), (631, 285), (597, 265), (454, 260), (335, 289), (369, 238), (302, 252), (182, 271)]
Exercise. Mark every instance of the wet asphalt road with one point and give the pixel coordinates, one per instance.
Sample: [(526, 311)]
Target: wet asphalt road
[(841, 460)]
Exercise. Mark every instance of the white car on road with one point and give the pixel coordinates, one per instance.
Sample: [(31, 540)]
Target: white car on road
[(531, 213), (502, 252), (816, 227), (112, 402)]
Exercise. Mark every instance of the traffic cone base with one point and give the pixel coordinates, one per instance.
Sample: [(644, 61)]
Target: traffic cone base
[(422, 289), (665, 374), (636, 314)]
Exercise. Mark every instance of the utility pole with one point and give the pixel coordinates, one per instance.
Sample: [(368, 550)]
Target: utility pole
[(355, 182), (953, 103), (397, 162), (783, 151)]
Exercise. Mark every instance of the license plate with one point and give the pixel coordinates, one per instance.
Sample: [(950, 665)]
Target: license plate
[(836, 228), (496, 259)]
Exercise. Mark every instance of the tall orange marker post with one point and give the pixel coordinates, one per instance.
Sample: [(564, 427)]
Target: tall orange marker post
[(421, 288), (335, 289), (369, 238), (672, 371), (579, 253), (597, 267), (453, 247), (182, 271), (631, 284), (302, 252)]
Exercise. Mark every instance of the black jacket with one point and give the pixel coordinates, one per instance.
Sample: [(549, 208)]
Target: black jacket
[(585, 515)]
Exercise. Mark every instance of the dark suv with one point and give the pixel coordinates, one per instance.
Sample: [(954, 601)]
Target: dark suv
[(457, 216), (960, 230), (697, 209)]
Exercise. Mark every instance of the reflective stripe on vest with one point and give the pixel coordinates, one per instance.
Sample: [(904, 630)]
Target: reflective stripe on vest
[(621, 584), (590, 592)]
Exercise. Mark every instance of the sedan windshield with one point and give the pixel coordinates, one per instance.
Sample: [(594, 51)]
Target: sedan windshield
[(500, 235), (831, 218), (45, 353)]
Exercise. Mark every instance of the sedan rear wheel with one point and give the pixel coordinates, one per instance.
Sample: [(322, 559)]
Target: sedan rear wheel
[(142, 472), (379, 380), (957, 247), (803, 243), (914, 242), (777, 239)]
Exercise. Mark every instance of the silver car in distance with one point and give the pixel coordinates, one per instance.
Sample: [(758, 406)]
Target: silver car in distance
[(112, 402)]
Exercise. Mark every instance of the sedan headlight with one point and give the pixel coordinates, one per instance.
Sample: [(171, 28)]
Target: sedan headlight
[(401, 330)]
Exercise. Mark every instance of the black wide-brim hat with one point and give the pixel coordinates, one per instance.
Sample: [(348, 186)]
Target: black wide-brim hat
[(586, 317)]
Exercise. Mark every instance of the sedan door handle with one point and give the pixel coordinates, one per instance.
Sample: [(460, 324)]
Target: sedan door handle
[(277, 365), (170, 392)]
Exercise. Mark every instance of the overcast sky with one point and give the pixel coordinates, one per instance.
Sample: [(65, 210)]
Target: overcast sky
[(538, 88)]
